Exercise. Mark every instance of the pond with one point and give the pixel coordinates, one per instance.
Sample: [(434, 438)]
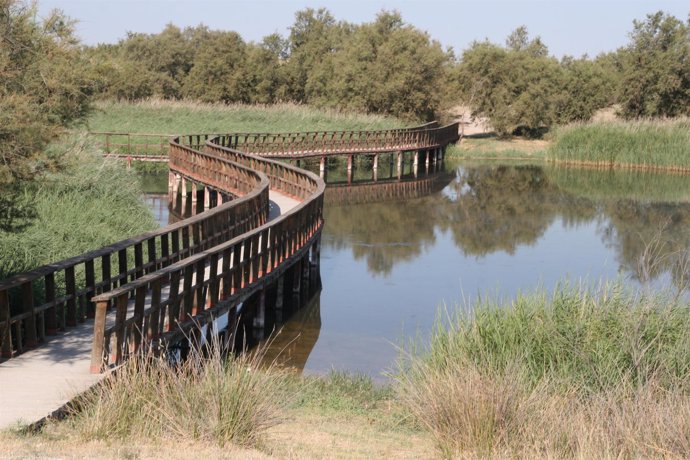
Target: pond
[(390, 266)]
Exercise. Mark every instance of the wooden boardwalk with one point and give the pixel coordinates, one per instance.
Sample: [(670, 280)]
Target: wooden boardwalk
[(41, 381), (253, 245)]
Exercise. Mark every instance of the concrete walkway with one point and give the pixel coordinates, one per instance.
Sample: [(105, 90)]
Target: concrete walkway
[(40, 381)]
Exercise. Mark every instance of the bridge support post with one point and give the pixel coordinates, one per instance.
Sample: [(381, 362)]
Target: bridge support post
[(207, 198), (349, 168), (426, 161), (415, 165), (174, 188), (400, 164), (260, 314), (376, 167), (322, 167), (280, 299), (193, 198)]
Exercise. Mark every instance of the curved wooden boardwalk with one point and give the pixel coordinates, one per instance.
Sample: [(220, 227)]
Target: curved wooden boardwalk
[(63, 323)]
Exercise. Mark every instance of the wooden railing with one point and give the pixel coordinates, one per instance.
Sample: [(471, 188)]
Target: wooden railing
[(323, 143), (186, 294), (39, 302), (429, 135)]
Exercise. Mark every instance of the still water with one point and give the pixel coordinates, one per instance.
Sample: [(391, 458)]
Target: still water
[(390, 265)]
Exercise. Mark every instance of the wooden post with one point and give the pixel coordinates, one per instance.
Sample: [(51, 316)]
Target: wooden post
[(349, 168), (98, 356), (207, 198), (260, 313), (376, 167), (322, 167), (71, 291), (120, 328), (400, 159), (51, 313), (193, 200), (6, 331), (427, 161), (415, 164)]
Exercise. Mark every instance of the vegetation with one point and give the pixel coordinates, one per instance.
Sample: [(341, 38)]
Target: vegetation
[(89, 203), (169, 117), (522, 90), (576, 375), (646, 144), (656, 68), (572, 374), (207, 396), (385, 67), (44, 87)]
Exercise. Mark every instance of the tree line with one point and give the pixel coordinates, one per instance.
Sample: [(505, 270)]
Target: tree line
[(388, 66), (384, 66)]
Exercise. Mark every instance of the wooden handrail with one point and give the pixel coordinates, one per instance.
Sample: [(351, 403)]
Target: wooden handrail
[(235, 267)]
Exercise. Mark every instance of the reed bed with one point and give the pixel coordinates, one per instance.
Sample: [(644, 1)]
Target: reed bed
[(89, 203), (576, 374), (644, 144), (176, 117)]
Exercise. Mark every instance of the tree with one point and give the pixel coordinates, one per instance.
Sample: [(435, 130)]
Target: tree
[(44, 87), (519, 88), (656, 74), (314, 38), (387, 67), (217, 74)]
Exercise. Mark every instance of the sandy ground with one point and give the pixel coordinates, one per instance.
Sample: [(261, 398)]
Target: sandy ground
[(303, 435), (469, 125)]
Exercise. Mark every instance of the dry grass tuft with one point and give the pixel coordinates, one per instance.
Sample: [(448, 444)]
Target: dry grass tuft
[(208, 397)]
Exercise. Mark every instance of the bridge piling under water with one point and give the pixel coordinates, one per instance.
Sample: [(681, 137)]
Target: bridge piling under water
[(232, 257)]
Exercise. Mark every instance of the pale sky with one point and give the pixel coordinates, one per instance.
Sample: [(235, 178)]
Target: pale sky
[(566, 26)]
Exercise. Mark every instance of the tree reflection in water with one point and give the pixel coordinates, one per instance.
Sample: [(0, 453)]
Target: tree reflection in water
[(644, 218)]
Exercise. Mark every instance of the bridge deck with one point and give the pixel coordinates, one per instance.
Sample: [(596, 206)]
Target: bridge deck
[(40, 381)]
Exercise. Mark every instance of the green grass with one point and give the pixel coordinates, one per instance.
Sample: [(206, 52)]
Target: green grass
[(88, 204), (573, 374), (650, 144), (167, 117)]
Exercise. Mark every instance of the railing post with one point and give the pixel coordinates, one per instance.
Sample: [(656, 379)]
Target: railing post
[(6, 331), (99, 359)]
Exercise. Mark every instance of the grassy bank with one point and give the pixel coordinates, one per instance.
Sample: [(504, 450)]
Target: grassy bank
[(237, 409), (165, 117), (575, 375), (89, 203), (651, 144)]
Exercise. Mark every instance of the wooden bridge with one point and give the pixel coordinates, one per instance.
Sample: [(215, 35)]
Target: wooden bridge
[(252, 245)]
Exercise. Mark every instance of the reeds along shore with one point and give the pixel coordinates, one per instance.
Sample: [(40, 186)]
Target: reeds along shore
[(662, 145), (574, 375)]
